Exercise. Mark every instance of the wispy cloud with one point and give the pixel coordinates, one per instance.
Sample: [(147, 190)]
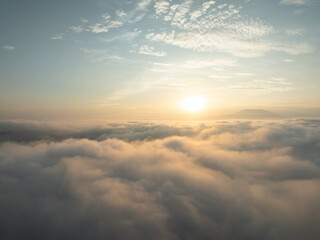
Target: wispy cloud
[(208, 26), (295, 32), (265, 85), (288, 60), (220, 28), (295, 49), (227, 42), (203, 63), (143, 5), (149, 50), (124, 36), (161, 7), (77, 29), (223, 42), (9, 47), (245, 74), (207, 5), (296, 2), (100, 55), (179, 13), (83, 20), (121, 13), (104, 26), (279, 79), (212, 29), (99, 28), (58, 36)]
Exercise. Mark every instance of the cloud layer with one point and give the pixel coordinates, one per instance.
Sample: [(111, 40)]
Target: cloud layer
[(222, 180)]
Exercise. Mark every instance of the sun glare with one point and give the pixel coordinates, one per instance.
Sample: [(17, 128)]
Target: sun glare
[(193, 103)]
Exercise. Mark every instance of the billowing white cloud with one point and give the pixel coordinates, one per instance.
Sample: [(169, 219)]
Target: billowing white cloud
[(223, 180)]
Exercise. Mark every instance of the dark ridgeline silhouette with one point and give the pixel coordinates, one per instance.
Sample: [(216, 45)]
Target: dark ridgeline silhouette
[(252, 114)]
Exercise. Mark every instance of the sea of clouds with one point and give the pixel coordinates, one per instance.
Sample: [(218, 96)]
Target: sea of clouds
[(160, 180)]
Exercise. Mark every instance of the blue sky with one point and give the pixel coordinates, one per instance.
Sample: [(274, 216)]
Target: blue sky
[(121, 58)]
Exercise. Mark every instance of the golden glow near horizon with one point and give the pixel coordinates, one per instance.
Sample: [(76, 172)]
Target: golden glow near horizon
[(193, 103)]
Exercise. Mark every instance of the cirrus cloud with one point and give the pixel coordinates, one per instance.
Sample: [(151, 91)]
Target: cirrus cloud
[(7, 47), (296, 2)]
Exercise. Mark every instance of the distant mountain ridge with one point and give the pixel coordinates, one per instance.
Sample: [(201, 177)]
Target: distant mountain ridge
[(253, 114)]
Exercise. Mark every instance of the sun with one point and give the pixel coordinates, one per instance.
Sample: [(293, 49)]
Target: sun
[(193, 103)]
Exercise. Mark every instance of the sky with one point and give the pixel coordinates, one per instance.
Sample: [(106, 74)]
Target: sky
[(138, 59), (169, 119)]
